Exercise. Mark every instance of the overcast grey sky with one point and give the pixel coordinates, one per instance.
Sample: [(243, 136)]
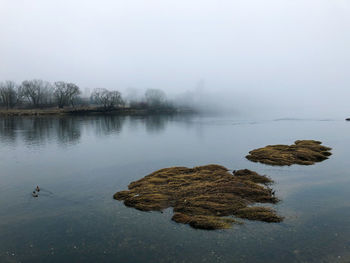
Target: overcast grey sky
[(291, 54)]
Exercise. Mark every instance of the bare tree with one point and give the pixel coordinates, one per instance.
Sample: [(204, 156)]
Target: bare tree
[(37, 92), (8, 94), (65, 93), (108, 99), (155, 97)]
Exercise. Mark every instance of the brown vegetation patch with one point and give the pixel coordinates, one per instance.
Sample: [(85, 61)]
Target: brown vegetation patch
[(304, 152), (203, 196)]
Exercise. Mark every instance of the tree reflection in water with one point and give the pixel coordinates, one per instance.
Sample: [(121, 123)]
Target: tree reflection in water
[(107, 125), (67, 130)]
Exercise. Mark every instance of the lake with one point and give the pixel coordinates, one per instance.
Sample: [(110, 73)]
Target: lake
[(80, 162)]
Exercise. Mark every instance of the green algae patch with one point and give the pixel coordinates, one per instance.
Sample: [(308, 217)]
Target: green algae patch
[(304, 152), (205, 197)]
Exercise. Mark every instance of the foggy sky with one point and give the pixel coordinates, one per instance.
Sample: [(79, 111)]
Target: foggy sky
[(289, 56)]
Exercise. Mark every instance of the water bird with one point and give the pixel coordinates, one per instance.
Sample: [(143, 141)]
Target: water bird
[(37, 189), (35, 194)]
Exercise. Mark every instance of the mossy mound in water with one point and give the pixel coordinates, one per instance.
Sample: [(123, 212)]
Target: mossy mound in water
[(304, 152), (203, 196)]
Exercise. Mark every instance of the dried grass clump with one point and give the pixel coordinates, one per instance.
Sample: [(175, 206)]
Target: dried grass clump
[(305, 152), (203, 196)]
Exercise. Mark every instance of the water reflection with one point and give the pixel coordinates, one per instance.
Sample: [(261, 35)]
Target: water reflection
[(80, 221), (8, 129), (106, 125), (69, 129), (36, 130), (39, 130), (155, 123)]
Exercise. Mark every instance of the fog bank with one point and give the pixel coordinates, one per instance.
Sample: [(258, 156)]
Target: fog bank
[(274, 57)]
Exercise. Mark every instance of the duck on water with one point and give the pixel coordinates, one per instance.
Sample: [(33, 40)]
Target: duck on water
[(36, 191)]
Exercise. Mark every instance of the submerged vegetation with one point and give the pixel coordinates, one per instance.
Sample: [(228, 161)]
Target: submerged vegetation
[(304, 152), (205, 196)]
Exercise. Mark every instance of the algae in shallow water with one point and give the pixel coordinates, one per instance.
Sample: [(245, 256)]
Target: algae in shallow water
[(304, 152), (204, 196)]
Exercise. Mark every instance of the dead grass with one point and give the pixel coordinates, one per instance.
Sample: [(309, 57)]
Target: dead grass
[(305, 152), (203, 196)]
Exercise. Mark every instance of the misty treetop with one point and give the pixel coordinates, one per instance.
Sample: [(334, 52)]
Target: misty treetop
[(38, 93), (8, 94), (155, 97), (65, 93), (35, 92), (108, 99)]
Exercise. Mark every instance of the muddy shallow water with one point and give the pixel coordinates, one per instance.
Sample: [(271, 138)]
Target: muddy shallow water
[(80, 162)]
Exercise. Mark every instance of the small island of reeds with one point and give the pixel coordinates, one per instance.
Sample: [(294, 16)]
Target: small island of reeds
[(304, 152), (205, 197)]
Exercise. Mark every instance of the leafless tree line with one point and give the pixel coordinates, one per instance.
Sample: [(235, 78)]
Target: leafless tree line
[(37, 94), (42, 94)]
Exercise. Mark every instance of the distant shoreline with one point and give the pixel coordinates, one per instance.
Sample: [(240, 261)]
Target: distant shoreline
[(93, 111)]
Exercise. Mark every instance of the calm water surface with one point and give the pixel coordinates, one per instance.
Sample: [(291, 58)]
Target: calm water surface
[(80, 162)]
